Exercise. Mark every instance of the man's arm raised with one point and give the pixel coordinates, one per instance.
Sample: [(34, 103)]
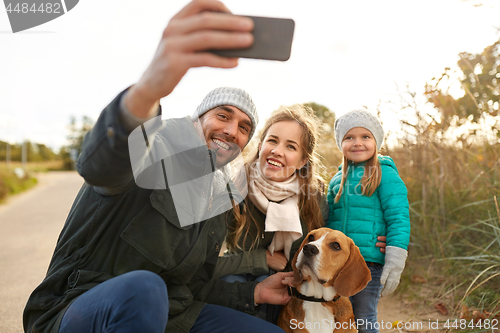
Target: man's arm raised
[(201, 25)]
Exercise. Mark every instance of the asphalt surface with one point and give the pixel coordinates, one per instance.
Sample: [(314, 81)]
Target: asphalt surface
[(29, 226)]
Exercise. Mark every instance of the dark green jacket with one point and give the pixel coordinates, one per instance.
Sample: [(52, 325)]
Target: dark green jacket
[(115, 227), (254, 261)]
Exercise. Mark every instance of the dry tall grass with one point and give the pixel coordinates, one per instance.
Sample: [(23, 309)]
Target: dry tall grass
[(455, 241)]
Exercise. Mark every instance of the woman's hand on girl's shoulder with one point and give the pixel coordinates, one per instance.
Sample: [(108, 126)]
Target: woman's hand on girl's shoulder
[(381, 243)]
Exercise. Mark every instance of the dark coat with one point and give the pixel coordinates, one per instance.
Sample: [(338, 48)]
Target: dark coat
[(115, 227)]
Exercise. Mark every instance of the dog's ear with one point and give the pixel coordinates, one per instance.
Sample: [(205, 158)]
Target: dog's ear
[(354, 276), (297, 276)]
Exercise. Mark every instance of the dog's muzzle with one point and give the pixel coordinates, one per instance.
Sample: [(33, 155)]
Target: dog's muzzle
[(310, 250)]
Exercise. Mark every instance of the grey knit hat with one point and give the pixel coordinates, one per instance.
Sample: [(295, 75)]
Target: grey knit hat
[(229, 96), (358, 118)]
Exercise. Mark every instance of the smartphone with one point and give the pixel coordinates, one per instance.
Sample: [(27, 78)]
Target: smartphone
[(272, 40)]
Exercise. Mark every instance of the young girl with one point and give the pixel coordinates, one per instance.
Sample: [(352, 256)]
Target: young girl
[(285, 198), (367, 198)]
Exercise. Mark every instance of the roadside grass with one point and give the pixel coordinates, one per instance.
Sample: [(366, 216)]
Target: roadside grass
[(35, 167), (11, 183)]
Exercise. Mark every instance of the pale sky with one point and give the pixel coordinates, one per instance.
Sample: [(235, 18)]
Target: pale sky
[(345, 54)]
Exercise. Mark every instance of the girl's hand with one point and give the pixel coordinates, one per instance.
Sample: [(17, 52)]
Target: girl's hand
[(381, 243), (276, 261), (395, 259)]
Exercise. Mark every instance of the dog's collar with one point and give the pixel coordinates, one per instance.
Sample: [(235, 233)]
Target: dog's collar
[(295, 293)]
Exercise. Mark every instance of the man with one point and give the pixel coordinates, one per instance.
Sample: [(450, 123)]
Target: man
[(127, 260)]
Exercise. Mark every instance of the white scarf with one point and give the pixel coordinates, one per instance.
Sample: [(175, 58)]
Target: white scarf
[(279, 201)]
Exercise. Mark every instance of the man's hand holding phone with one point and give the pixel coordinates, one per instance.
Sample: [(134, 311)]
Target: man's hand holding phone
[(272, 40), (201, 25)]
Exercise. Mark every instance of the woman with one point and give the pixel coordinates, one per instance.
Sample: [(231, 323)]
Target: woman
[(285, 198)]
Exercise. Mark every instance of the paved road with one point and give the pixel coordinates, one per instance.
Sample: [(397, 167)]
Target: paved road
[(29, 226)]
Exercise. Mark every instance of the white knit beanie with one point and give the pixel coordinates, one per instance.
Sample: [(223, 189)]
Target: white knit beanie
[(358, 118), (229, 96)]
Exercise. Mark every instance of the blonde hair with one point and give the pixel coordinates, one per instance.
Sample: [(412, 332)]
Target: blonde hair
[(371, 177), (311, 186)]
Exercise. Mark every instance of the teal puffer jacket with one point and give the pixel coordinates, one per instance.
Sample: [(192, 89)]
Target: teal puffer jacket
[(363, 218)]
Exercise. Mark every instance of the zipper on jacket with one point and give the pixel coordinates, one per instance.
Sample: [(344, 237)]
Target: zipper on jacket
[(211, 199), (345, 200)]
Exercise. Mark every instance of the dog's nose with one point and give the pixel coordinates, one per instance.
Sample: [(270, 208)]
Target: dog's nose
[(310, 250)]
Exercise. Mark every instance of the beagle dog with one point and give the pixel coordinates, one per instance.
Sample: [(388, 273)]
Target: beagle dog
[(328, 268)]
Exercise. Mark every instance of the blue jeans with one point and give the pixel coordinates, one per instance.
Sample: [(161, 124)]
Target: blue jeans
[(364, 303), (219, 319), (138, 302)]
